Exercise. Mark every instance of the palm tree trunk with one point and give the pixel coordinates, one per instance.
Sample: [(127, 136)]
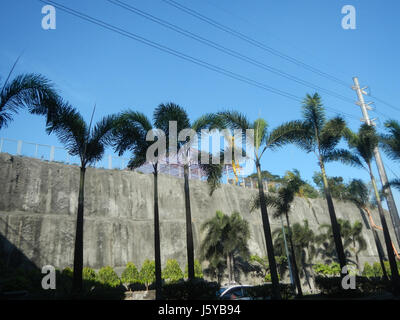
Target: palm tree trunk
[(228, 264), (189, 232), (335, 226), (293, 259), (392, 260), (268, 236), (233, 267), (78, 251), (378, 246), (157, 250)]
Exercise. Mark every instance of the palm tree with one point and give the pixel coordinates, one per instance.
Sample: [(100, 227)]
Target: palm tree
[(282, 202), (357, 192), (391, 145), (89, 144), (130, 132), (363, 144), (226, 236), (303, 239), (262, 140), (321, 137), (33, 91), (163, 115)]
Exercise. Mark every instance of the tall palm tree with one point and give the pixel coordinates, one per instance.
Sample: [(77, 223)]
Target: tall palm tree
[(282, 202), (357, 192), (88, 143), (165, 113), (262, 140), (321, 137), (390, 143), (33, 91), (363, 144), (226, 236), (130, 132)]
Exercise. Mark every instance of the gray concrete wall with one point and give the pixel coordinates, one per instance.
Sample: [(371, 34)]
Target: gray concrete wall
[(38, 203)]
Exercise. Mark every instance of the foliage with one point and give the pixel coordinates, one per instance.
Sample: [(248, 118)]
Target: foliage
[(131, 274), (197, 289), (391, 141), (172, 271), (107, 276), (260, 266), (147, 274), (89, 274), (226, 236), (336, 185), (68, 272), (264, 291), (198, 271), (332, 269)]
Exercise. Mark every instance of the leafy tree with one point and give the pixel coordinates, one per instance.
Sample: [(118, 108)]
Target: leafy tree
[(336, 185), (172, 271), (147, 274), (131, 274), (130, 133), (89, 144), (261, 141), (358, 193), (363, 144), (33, 91), (198, 271), (321, 136), (303, 244), (260, 266), (108, 277), (165, 113), (282, 203), (226, 237)]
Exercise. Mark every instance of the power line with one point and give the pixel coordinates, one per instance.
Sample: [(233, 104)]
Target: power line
[(263, 46), (181, 55), (226, 50), (252, 41)]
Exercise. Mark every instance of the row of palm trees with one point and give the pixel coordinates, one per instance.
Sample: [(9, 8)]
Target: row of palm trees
[(127, 131)]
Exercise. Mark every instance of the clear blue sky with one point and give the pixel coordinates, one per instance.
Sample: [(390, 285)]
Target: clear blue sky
[(91, 65)]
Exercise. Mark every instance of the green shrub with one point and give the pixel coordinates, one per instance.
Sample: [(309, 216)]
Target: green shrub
[(332, 269), (172, 271), (130, 274), (264, 291), (147, 274), (198, 271), (68, 272), (108, 277), (89, 274), (197, 289), (267, 277)]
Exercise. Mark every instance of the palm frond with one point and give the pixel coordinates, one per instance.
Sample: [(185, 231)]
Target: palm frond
[(313, 111), (331, 133), (391, 142), (344, 156), (296, 132)]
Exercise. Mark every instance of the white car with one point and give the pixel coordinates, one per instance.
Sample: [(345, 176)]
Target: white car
[(234, 292)]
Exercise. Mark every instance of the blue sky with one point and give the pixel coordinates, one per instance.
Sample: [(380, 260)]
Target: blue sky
[(91, 65)]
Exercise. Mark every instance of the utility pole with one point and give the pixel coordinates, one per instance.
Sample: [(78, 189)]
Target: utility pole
[(381, 169)]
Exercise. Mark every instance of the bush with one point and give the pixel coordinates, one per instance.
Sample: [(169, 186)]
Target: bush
[(332, 286), (108, 277), (332, 269), (197, 289), (198, 271), (68, 272), (172, 271), (147, 274), (267, 277), (264, 291), (89, 274), (130, 274)]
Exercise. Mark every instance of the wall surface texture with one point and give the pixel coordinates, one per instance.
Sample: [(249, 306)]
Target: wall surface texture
[(38, 204)]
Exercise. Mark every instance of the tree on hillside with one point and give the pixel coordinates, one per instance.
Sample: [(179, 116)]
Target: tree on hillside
[(282, 203), (357, 192), (163, 115), (226, 238), (363, 144), (322, 137), (80, 139), (261, 141), (336, 185)]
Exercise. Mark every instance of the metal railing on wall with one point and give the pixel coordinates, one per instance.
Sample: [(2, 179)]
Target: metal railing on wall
[(58, 154)]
